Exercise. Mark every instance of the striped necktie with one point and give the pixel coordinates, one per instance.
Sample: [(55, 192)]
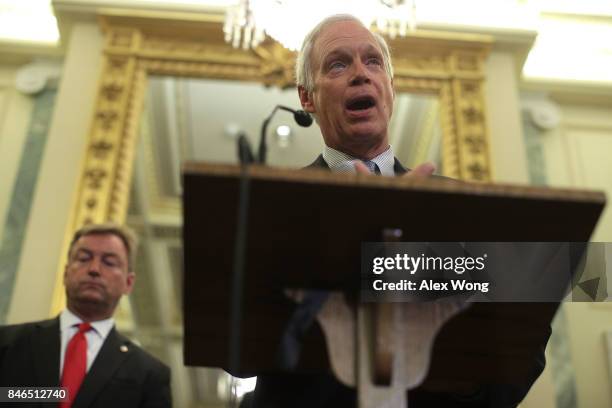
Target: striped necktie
[(372, 166)]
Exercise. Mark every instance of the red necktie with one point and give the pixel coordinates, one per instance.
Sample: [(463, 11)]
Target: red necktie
[(75, 364)]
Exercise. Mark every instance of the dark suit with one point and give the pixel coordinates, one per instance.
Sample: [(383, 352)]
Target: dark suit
[(325, 391), (122, 375)]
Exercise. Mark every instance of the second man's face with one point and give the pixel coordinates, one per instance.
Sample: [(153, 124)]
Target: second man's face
[(97, 274), (353, 94)]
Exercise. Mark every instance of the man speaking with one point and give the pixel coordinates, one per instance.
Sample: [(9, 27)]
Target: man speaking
[(345, 80)]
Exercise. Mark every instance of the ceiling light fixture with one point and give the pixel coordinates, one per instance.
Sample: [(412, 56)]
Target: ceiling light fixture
[(288, 21)]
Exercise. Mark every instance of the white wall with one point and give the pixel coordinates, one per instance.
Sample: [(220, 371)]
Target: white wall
[(58, 178), (15, 111), (578, 154), (508, 154)]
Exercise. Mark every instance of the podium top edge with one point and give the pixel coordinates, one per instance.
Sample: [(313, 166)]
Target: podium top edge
[(431, 184)]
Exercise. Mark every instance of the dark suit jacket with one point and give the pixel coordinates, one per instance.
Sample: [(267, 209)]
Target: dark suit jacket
[(30, 354), (324, 391)]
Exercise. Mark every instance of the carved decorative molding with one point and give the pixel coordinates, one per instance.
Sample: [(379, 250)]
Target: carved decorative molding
[(277, 64), (447, 65), (471, 132)]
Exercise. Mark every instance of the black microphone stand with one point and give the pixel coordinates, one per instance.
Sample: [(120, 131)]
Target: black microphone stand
[(245, 156)]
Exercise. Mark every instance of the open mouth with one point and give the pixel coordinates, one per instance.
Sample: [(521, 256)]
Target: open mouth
[(360, 103)]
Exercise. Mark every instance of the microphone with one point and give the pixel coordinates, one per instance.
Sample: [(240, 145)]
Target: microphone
[(302, 118)]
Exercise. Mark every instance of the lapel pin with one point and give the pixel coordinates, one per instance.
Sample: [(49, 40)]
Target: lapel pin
[(123, 348)]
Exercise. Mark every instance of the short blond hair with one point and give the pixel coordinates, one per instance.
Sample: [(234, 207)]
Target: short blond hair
[(126, 234)]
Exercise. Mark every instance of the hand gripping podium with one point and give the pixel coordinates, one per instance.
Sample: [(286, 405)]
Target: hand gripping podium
[(250, 233)]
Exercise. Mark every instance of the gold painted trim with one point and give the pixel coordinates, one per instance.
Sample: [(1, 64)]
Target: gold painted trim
[(445, 64)]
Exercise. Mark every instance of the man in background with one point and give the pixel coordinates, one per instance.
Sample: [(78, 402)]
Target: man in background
[(81, 349)]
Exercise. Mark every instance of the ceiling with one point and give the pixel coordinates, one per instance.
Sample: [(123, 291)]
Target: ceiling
[(563, 27)]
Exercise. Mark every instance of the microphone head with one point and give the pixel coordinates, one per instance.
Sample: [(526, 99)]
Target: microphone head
[(302, 118)]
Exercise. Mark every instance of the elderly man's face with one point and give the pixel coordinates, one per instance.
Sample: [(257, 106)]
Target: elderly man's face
[(353, 95)]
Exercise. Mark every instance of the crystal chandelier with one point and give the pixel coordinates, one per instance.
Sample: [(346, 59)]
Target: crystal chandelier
[(288, 21)]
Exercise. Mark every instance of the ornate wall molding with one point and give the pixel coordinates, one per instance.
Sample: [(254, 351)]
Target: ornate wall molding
[(447, 65), (137, 45)]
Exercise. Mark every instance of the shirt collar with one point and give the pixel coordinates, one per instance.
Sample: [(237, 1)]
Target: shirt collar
[(342, 162), (69, 319)]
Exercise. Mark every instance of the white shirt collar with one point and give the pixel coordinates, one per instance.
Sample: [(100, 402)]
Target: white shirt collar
[(101, 327), (342, 162)]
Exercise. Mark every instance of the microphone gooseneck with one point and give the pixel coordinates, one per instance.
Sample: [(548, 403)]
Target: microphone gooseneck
[(302, 118)]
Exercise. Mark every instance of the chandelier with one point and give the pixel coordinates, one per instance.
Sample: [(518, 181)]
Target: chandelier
[(288, 21)]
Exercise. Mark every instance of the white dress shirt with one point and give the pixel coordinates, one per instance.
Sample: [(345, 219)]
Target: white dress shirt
[(95, 337), (342, 162)]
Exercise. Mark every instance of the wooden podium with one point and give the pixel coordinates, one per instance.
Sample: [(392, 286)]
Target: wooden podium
[(304, 229)]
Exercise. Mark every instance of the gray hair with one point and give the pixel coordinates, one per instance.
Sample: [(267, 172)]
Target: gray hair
[(127, 236), (304, 75)]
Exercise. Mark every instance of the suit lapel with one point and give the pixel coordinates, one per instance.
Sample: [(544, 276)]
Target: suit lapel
[(109, 359), (318, 163), (398, 168), (47, 363)]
